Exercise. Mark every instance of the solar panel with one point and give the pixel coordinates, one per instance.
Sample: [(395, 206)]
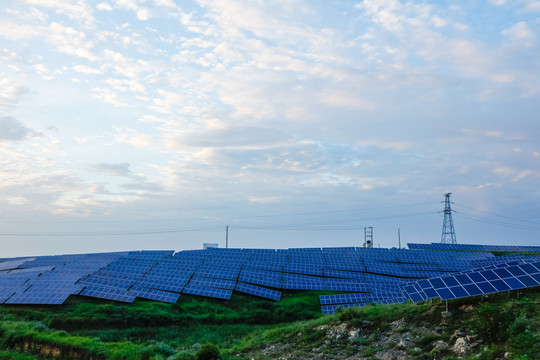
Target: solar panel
[(109, 293), (258, 291), (207, 292), (157, 295), (215, 283), (384, 276)]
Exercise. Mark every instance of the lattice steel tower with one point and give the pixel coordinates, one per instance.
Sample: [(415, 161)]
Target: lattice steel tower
[(448, 235)]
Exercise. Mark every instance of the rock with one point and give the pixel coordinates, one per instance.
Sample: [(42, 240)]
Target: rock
[(472, 338), (404, 342), (438, 330), (337, 331), (398, 324), (460, 347), (440, 345), (353, 334), (446, 314), (460, 333), (466, 308)]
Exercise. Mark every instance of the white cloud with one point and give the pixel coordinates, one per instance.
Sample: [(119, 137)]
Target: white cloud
[(87, 70), (166, 3), (104, 6), (10, 91), (77, 10), (108, 96), (265, 199), (143, 14), (520, 34), (12, 31), (137, 139), (70, 41)]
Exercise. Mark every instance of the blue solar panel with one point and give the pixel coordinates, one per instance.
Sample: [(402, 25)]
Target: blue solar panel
[(459, 291), (258, 291), (109, 293), (500, 285), (157, 295), (514, 283), (472, 289), (476, 277), (463, 279), (214, 283), (437, 283), (486, 287), (207, 292), (502, 273), (445, 294), (449, 281), (529, 281), (162, 275), (343, 298)]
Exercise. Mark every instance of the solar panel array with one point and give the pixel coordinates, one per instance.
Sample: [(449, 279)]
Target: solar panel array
[(514, 275), (473, 247), (361, 275)]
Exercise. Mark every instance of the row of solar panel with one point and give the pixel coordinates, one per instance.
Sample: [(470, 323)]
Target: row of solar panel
[(475, 247), (125, 276), (486, 280)]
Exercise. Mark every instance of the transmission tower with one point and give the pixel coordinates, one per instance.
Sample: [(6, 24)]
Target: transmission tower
[(448, 235)]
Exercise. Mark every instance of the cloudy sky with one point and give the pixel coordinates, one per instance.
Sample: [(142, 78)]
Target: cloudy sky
[(154, 124)]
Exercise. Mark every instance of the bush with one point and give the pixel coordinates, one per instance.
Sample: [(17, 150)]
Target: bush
[(184, 356), (208, 352)]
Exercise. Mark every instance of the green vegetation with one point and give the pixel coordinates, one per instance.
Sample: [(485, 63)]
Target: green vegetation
[(246, 327)]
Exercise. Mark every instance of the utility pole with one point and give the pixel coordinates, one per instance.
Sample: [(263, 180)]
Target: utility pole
[(227, 237), (448, 235)]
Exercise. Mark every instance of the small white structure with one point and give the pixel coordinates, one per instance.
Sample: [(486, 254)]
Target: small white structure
[(210, 245)]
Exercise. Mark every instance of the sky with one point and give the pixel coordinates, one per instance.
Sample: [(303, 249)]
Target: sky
[(155, 124)]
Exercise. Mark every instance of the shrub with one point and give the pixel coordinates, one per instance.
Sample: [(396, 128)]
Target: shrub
[(208, 352)]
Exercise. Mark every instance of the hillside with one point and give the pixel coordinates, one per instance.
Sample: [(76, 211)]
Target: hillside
[(499, 326)]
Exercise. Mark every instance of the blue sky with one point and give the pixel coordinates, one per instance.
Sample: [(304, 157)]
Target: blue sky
[(153, 124)]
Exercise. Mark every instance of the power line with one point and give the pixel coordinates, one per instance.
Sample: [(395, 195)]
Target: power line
[(114, 233), (496, 222), (232, 218), (498, 215), (310, 226)]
